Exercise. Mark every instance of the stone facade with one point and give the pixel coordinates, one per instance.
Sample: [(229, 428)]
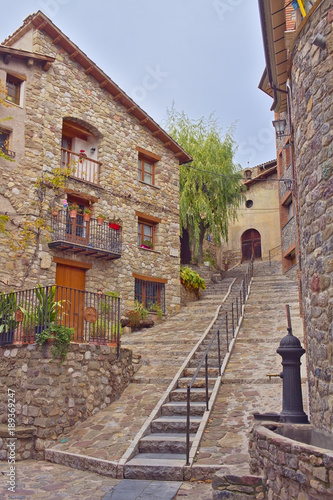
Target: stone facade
[(52, 397), (68, 91), (290, 470), (312, 115)]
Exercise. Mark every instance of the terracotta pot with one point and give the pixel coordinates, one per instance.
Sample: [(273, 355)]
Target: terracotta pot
[(100, 221), (86, 217), (73, 214), (55, 213)]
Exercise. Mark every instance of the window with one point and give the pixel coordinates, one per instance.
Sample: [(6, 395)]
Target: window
[(147, 226), (146, 166), (150, 291), (4, 140), (13, 85), (146, 171)]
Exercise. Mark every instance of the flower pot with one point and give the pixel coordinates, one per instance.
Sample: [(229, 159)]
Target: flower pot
[(55, 213), (100, 221), (86, 217), (73, 214)]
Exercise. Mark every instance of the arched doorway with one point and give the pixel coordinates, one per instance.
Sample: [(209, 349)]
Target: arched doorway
[(251, 244)]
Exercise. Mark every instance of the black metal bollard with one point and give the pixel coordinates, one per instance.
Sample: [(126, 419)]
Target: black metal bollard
[(291, 352)]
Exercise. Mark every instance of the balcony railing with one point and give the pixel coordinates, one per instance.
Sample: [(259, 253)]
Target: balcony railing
[(24, 314), (89, 238), (85, 169)]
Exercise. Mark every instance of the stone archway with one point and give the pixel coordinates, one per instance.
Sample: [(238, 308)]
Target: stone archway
[(251, 244)]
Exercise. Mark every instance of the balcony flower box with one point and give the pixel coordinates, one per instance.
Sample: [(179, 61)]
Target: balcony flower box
[(113, 225)]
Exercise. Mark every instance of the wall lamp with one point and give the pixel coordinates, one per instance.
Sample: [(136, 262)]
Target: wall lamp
[(319, 41), (280, 127)]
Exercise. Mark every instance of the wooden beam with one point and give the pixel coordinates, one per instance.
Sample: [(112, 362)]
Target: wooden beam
[(103, 84), (149, 278), (57, 39), (155, 133), (89, 70), (166, 144), (142, 122), (46, 66), (72, 263), (74, 54), (117, 97), (42, 25), (129, 110)]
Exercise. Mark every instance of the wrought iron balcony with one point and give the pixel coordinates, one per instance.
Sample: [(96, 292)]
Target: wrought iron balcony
[(87, 238), (84, 168)]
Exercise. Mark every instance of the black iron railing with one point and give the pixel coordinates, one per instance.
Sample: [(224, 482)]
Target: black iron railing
[(89, 234), (94, 317), (223, 334)]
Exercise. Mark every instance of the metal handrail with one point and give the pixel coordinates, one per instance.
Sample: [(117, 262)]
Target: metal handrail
[(270, 253), (244, 288)]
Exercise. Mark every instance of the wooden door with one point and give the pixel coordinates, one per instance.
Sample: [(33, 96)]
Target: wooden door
[(70, 283), (251, 244)]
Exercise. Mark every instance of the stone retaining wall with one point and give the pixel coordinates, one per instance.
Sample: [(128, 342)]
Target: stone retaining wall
[(51, 397), (290, 469)]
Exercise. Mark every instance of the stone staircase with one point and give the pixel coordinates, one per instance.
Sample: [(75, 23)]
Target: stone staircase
[(161, 450)]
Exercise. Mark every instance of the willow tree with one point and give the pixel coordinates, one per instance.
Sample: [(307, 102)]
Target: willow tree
[(210, 191)]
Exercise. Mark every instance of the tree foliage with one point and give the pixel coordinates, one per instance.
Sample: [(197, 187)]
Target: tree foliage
[(210, 191)]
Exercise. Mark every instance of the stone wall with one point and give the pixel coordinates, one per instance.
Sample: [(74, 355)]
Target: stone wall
[(291, 469), (66, 91), (51, 398), (312, 116)]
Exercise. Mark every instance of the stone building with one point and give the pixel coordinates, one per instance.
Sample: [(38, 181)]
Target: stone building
[(256, 230), (67, 113), (299, 76)]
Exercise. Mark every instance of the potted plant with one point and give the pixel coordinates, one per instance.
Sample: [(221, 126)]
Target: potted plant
[(147, 244), (115, 223), (48, 309), (61, 335), (73, 210), (105, 332), (55, 212), (7, 317), (100, 219), (86, 214)]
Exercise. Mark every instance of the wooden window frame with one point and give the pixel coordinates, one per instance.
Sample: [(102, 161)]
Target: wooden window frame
[(4, 147), (147, 220), (16, 83), (74, 224), (145, 156), (157, 284)]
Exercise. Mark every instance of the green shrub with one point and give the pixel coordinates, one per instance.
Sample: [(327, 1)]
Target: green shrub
[(191, 280), (139, 308)]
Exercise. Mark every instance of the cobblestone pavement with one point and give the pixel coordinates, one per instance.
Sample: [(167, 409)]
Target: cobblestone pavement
[(246, 388), (37, 480)]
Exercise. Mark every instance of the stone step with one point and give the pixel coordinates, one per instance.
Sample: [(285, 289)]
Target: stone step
[(164, 443), (155, 466), (183, 382), (197, 395), (180, 408), (172, 423), (190, 370)]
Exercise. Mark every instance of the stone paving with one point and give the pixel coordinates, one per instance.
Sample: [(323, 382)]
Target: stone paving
[(245, 389)]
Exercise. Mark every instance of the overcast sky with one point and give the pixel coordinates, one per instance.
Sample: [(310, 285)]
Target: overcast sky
[(204, 55)]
